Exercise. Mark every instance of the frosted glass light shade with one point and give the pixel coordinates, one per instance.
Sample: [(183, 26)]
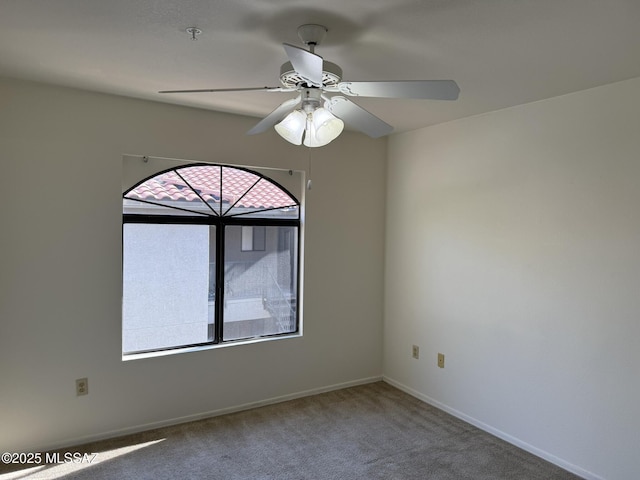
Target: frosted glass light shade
[(323, 128), (292, 127)]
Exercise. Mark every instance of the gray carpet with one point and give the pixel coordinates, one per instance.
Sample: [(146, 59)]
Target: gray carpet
[(372, 431)]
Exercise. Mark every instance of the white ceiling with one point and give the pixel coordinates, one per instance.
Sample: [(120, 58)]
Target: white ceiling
[(500, 52)]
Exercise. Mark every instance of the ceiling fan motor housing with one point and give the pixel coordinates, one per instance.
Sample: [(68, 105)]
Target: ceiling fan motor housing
[(331, 76)]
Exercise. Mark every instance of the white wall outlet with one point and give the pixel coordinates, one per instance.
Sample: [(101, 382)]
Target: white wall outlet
[(415, 351), (82, 386)]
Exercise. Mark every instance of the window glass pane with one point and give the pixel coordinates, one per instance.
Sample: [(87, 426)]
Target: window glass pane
[(170, 190), (211, 297), (168, 297), (235, 185), (211, 190), (263, 196), (206, 181), (260, 286)]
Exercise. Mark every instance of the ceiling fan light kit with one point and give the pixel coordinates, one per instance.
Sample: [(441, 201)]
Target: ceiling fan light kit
[(323, 128), (292, 127), (317, 124), (314, 118)]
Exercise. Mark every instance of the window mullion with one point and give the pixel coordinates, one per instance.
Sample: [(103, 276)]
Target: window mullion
[(219, 306)]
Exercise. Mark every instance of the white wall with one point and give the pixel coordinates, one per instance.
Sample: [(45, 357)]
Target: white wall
[(513, 247), (61, 156)]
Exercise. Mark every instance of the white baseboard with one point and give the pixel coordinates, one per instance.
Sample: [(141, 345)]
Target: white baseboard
[(70, 442), (495, 432)]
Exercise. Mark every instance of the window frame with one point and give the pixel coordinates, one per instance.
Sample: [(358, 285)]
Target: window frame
[(220, 222)]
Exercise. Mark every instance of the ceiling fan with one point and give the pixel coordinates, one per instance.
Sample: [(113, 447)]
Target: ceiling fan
[(319, 117)]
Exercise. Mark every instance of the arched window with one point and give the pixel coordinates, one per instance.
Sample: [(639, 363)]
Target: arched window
[(210, 255)]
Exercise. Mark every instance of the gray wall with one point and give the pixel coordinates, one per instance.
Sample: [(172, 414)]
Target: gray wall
[(513, 247), (61, 153)]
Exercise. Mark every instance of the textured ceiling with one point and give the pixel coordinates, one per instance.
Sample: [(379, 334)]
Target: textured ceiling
[(500, 52)]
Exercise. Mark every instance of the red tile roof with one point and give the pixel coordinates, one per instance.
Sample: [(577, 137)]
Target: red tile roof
[(238, 188)]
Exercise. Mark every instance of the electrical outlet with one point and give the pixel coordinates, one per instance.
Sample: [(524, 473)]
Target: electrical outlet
[(82, 386), (415, 351), (441, 360)]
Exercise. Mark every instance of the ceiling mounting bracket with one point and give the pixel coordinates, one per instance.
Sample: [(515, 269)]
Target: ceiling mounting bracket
[(194, 32), (312, 34)]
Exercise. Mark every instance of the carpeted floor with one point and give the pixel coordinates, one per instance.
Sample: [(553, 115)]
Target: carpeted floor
[(372, 431)]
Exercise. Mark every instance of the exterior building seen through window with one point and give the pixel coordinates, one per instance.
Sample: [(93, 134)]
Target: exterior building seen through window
[(210, 255)]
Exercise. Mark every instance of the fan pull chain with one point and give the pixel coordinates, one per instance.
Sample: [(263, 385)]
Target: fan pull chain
[(309, 180)]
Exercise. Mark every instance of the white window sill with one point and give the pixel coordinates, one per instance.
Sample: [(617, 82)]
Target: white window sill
[(200, 348)]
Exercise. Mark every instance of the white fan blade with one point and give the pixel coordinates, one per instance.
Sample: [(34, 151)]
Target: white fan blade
[(274, 117), (307, 64), (268, 89), (358, 117), (424, 89)]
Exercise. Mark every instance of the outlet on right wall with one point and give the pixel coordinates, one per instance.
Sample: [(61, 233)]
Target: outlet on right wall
[(513, 245)]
